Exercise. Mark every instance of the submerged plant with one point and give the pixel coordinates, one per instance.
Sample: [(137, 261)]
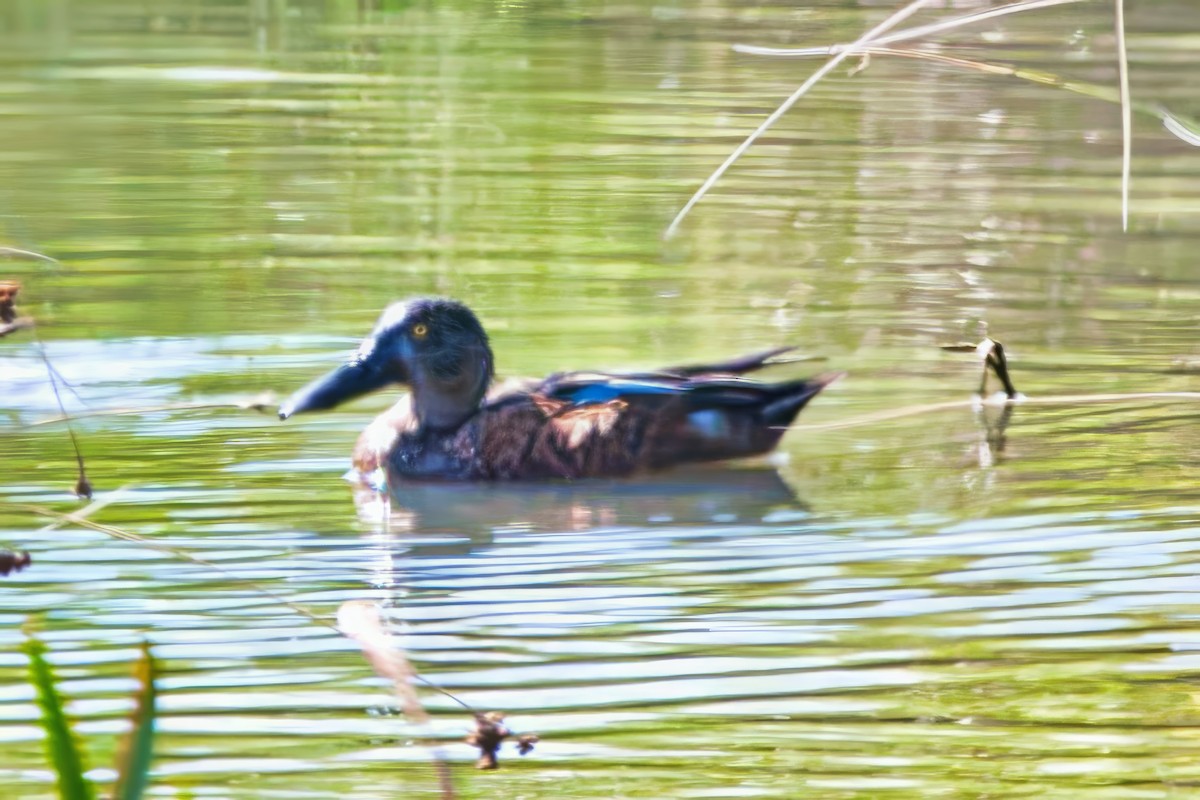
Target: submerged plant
[(62, 746)]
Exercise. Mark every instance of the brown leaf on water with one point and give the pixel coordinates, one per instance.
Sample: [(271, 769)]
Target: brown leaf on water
[(13, 561)]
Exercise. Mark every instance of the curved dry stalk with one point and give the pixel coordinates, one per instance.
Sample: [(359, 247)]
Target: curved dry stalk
[(91, 508), (28, 255), (1126, 113), (1179, 129), (261, 402), (828, 67), (361, 621), (1123, 93), (931, 29), (1183, 128)]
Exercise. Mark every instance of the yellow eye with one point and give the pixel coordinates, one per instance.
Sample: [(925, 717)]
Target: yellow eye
[(420, 330)]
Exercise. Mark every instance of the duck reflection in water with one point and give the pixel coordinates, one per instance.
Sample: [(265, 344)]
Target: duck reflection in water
[(689, 496), (575, 425)]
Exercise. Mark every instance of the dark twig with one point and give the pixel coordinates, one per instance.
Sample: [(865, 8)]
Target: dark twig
[(83, 487), (999, 364), (991, 353), (9, 321)]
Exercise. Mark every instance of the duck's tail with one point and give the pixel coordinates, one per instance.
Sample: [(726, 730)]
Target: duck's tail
[(790, 397)]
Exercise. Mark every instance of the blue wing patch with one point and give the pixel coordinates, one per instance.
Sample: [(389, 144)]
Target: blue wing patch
[(615, 388)]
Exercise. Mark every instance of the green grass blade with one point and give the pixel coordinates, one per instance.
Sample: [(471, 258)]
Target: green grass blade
[(137, 748), (61, 748)]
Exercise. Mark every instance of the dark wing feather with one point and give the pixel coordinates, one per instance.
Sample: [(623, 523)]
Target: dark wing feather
[(736, 366), (583, 425), (592, 387), (696, 394), (583, 388)]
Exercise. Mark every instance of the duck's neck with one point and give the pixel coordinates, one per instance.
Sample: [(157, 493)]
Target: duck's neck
[(444, 403)]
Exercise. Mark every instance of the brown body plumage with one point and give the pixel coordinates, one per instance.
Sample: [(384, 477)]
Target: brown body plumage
[(570, 426)]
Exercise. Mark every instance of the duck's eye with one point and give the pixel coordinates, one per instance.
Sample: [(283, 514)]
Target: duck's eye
[(420, 330)]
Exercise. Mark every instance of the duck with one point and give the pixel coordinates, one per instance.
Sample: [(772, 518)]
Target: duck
[(453, 425)]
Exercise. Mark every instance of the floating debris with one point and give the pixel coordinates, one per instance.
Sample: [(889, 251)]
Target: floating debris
[(490, 731), (13, 561), (991, 353)]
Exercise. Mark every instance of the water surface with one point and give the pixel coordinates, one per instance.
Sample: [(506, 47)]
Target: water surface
[(943, 604)]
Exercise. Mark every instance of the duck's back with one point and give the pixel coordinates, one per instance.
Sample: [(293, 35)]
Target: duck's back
[(553, 433), (579, 426)]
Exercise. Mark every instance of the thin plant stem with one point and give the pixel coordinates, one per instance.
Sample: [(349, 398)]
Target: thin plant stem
[(70, 387), (1126, 113), (52, 374), (1185, 129), (30, 255), (258, 403), (128, 536), (1178, 128), (890, 414), (931, 29), (828, 67), (91, 508)]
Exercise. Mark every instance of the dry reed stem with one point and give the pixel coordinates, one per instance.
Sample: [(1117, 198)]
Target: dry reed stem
[(1126, 113), (787, 104), (361, 621), (890, 414)]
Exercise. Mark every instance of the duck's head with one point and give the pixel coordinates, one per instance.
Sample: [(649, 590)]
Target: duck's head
[(436, 346)]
